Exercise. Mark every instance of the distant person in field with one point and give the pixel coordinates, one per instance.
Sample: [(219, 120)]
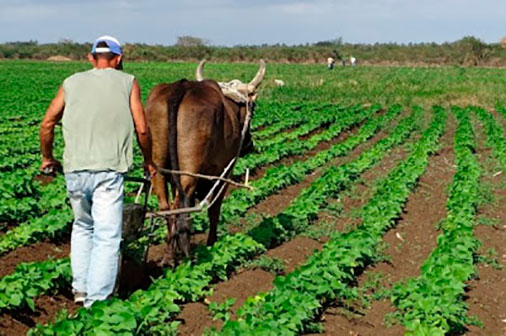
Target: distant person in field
[(99, 109), (353, 60), (330, 63)]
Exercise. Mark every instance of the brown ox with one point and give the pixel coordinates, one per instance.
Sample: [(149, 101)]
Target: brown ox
[(206, 139)]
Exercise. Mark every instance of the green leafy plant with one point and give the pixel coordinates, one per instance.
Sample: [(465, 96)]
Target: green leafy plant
[(221, 311), (268, 264)]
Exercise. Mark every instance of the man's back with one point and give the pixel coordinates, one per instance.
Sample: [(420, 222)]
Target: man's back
[(97, 122)]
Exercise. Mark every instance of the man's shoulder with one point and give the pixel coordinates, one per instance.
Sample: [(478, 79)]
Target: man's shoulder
[(93, 73), (120, 75), (112, 71), (77, 75)]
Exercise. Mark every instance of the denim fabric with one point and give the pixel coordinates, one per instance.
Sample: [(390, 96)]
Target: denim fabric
[(97, 202)]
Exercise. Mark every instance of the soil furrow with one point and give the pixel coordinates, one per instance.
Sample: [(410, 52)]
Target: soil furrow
[(37, 252), (406, 247)]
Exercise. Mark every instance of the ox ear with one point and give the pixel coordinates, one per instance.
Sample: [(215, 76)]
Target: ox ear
[(198, 73)]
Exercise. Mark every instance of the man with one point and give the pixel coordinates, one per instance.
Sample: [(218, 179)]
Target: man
[(99, 109), (353, 60), (330, 63)]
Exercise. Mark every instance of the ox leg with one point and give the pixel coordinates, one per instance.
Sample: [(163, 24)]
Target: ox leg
[(214, 217), (160, 190)]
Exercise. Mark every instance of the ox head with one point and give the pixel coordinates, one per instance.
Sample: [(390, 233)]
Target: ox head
[(235, 89), (244, 95)]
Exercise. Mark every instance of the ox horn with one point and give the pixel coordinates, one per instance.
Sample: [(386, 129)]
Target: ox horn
[(198, 72), (258, 77)]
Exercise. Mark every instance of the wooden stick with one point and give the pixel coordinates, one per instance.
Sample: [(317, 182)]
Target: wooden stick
[(173, 212), (246, 181), (207, 177)]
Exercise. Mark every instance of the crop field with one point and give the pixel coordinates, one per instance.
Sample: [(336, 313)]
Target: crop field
[(377, 208)]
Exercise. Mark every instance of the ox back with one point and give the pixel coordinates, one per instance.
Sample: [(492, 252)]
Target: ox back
[(196, 129)]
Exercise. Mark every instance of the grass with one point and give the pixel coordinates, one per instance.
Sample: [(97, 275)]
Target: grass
[(308, 82)]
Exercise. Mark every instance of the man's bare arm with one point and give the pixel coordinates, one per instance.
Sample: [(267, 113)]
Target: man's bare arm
[(53, 115), (141, 127)]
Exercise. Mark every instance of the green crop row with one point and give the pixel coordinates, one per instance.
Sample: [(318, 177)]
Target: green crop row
[(432, 304), (150, 310), (280, 150), (53, 224), (494, 135), (315, 119), (501, 109), (329, 273), (23, 197), (30, 280), (290, 115), (269, 114), (10, 162)]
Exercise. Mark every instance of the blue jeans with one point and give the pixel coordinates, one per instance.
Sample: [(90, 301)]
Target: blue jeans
[(97, 202)]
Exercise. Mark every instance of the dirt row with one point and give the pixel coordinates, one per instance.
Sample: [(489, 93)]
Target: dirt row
[(47, 306)]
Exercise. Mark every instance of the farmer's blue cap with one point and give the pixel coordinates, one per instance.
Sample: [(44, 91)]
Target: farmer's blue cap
[(113, 45)]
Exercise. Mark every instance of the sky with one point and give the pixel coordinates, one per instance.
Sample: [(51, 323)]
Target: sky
[(249, 22)]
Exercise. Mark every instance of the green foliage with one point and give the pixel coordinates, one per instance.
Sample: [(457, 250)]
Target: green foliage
[(30, 280), (489, 258), (268, 264), (468, 51), (221, 311), (149, 312)]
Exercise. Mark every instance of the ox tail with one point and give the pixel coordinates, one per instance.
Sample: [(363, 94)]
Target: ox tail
[(180, 235), (173, 102)]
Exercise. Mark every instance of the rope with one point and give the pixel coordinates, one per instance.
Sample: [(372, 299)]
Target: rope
[(207, 177)]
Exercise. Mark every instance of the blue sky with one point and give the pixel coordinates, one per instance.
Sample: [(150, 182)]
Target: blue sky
[(227, 22)]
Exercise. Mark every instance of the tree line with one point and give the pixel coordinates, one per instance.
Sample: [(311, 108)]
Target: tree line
[(468, 51)]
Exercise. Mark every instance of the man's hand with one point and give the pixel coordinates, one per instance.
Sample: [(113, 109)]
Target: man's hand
[(49, 166), (151, 168)]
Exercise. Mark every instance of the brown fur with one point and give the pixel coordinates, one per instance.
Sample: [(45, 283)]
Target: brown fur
[(207, 138)]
